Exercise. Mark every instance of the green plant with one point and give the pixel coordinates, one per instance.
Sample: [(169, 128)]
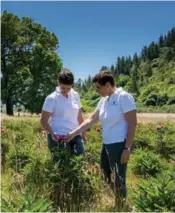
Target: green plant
[(145, 163), (4, 151), (72, 183), (145, 136), (19, 160), (165, 140), (157, 194), (72, 187), (28, 200)]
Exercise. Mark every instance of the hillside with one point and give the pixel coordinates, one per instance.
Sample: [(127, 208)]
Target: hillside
[(148, 76)]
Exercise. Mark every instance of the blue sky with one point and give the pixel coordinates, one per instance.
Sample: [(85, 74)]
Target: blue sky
[(93, 34)]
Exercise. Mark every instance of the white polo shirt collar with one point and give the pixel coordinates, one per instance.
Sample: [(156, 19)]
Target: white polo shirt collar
[(59, 92), (117, 90)]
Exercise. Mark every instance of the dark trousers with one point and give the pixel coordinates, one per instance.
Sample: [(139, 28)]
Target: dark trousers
[(75, 146), (110, 164)]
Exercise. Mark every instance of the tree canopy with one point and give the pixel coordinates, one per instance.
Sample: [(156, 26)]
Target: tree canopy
[(29, 61)]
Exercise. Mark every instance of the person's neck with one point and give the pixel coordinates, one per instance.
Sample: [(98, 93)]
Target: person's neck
[(65, 95), (113, 89)]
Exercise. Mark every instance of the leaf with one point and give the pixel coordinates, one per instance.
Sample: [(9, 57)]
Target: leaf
[(36, 205)]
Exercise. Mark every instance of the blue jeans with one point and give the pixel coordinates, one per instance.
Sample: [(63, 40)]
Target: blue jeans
[(75, 146)]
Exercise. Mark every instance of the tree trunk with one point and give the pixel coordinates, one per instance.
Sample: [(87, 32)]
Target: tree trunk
[(9, 107)]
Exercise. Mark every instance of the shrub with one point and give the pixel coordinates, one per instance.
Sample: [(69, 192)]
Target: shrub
[(145, 136), (145, 163), (165, 139), (28, 200), (19, 160), (123, 79), (72, 187), (151, 100), (161, 141), (157, 194), (162, 100)]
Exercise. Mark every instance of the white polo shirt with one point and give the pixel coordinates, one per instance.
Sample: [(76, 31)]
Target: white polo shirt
[(111, 115), (64, 111)]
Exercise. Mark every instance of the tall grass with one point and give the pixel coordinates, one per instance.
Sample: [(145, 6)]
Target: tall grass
[(31, 181)]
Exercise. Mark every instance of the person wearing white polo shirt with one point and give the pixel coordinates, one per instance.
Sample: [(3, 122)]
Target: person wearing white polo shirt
[(63, 108), (117, 113)]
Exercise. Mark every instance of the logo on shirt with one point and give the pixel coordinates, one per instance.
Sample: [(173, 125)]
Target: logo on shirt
[(114, 102)]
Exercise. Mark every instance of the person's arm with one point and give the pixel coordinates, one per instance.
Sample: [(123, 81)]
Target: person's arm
[(84, 126), (44, 121), (131, 120), (80, 121)]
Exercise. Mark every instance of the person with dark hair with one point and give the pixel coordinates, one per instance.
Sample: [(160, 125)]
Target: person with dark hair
[(117, 113), (63, 108)]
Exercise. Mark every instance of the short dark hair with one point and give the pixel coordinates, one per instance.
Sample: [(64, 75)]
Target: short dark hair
[(103, 77), (66, 77)]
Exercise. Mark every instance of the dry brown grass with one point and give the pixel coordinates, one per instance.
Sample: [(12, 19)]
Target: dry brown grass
[(22, 116), (155, 117), (150, 117), (141, 117)]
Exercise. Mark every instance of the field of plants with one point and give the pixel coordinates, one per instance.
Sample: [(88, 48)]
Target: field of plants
[(31, 182)]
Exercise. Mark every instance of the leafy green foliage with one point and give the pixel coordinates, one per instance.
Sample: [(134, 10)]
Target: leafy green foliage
[(157, 194), (73, 183), (29, 200), (72, 187), (123, 79), (29, 62), (162, 141), (150, 77), (145, 163)]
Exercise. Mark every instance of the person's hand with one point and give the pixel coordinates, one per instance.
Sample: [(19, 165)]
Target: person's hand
[(125, 156), (54, 138), (69, 137), (84, 137)]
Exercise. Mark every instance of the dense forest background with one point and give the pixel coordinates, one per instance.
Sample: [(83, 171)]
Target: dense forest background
[(149, 76)]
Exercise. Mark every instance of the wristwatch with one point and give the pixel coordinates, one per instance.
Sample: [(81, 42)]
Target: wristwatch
[(129, 149)]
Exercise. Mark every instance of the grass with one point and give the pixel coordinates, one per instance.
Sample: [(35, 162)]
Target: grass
[(141, 117), (13, 183)]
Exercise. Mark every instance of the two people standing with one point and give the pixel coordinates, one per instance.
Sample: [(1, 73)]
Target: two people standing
[(117, 113)]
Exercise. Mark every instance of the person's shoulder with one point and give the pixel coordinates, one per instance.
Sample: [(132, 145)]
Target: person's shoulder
[(103, 99), (53, 95), (74, 92), (122, 93), (125, 98)]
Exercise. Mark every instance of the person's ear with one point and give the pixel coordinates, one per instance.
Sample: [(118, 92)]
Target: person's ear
[(57, 82)]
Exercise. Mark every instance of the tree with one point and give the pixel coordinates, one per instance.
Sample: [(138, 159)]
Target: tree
[(135, 60), (78, 84), (148, 70), (134, 79), (144, 53), (153, 51), (29, 62), (161, 41), (112, 69), (128, 65), (104, 68), (120, 65)]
